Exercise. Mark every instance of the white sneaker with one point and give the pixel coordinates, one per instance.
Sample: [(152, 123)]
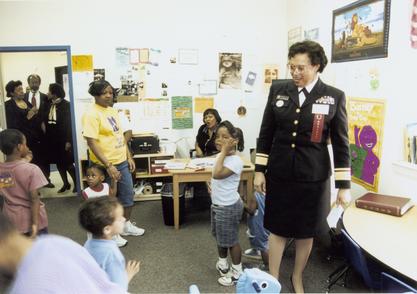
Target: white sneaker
[(252, 253), (222, 271), (119, 240), (131, 229), (230, 279)]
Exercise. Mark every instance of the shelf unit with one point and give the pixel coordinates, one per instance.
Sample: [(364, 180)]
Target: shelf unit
[(143, 172)]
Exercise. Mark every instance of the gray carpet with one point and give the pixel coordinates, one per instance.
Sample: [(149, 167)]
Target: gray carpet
[(173, 260)]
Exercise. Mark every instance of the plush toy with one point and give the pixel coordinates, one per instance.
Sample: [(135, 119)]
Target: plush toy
[(256, 281)]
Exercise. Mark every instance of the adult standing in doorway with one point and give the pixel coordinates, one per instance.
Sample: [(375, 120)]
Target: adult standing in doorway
[(40, 148), (59, 135), (19, 113), (107, 146), (292, 161)]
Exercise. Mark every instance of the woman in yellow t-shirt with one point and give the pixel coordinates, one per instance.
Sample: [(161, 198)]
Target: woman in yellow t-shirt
[(107, 146)]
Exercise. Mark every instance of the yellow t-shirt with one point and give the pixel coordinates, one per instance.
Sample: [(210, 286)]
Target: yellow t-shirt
[(103, 124)]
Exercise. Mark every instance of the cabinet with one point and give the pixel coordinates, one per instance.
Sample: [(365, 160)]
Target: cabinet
[(149, 175)]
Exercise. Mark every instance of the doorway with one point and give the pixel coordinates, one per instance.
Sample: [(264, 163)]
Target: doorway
[(17, 63)]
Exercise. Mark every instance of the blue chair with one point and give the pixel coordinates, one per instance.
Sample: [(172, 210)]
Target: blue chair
[(391, 284), (357, 261)]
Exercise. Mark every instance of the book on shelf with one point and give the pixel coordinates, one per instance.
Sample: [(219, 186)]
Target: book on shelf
[(392, 205), (410, 143)]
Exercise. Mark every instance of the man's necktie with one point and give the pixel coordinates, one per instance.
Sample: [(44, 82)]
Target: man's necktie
[(306, 94), (33, 101)]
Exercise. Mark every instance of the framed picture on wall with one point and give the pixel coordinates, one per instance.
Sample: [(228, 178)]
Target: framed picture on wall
[(360, 30)]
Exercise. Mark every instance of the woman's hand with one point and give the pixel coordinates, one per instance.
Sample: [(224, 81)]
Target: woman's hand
[(343, 197), (131, 163), (32, 112), (259, 182), (114, 173)]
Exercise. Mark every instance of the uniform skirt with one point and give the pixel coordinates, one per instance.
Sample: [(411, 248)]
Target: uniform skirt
[(296, 209)]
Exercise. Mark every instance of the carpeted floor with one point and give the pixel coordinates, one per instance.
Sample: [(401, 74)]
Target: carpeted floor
[(173, 260)]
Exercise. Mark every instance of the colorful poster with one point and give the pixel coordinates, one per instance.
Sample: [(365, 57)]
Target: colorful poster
[(182, 112), (202, 103), (366, 126)]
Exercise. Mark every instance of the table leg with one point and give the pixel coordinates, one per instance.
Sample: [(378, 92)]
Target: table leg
[(176, 193)]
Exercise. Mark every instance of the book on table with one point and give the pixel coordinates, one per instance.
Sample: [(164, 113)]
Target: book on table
[(392, 205)]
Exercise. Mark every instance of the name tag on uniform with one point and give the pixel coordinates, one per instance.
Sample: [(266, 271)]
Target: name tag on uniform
[(282, 97), (320, 109)]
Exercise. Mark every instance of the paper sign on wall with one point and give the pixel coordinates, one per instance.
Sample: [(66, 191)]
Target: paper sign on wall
[(202, 103), (366, 125), (82, 63), (182, 112)]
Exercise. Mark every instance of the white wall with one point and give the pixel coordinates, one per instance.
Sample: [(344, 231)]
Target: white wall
[(397, 80), (18, 66), (257, 29)]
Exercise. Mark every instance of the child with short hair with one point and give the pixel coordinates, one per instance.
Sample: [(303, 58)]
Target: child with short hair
[(20, 182), (227, 206), (103, 217), (96, 175), (97, 187)]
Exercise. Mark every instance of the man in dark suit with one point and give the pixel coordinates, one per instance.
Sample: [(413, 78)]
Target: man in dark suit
[(39, 147)]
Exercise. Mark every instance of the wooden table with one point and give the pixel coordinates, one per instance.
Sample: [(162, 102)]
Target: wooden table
[(190, 175), (391, 240)]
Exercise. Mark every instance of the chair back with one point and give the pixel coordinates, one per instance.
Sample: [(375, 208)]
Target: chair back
[(357, 260), (391, 284)]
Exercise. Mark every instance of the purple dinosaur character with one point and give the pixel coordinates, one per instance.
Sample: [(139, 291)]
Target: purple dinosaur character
[(367, 140)]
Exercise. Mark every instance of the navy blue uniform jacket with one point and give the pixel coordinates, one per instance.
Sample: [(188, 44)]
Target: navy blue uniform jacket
[(284, 148)]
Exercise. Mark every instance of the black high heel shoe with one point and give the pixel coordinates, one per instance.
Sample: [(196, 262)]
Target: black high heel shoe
[(64, 188)]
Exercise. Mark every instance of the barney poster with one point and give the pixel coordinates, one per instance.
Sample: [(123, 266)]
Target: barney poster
[(366, 126)]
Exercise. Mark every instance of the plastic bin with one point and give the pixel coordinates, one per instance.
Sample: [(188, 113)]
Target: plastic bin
[(167, 194)]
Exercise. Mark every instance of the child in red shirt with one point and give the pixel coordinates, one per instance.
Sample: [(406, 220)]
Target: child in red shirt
[(20, 182)]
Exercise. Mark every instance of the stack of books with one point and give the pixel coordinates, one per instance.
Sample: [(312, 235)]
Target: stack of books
[(391, 205)]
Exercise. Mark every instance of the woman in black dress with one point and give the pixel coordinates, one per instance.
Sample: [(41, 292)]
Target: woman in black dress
[(206, 135), (292, 160), (20, 114), (59, 135)]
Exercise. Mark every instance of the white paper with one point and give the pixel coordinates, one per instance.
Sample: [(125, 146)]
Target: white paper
[(334, 216), (175, 165)]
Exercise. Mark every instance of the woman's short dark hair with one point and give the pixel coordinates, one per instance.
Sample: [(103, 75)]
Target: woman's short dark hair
[(11, 86), (97, 213), (236, 133), (9, 139), (97, 87), (57, 90), (314, 51), (213, 112)]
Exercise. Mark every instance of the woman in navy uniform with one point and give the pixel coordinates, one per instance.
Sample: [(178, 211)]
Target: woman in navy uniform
[(292, 160)]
